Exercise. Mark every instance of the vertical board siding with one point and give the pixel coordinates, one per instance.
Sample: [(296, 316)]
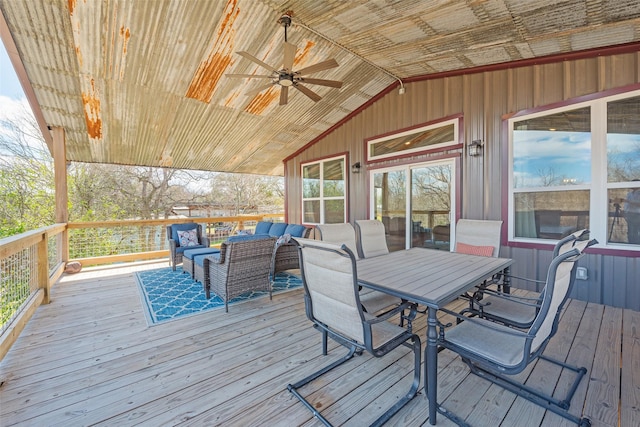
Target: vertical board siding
[(484, 99)]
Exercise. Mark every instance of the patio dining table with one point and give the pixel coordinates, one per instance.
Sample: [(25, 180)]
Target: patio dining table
[(432, 278)]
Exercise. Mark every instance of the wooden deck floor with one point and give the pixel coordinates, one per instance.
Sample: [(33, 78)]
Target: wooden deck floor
[(89, 358)]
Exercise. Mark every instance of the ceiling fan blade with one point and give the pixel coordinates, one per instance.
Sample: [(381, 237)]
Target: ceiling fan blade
[(257, 61), (284, 95), (321, 82), (320, 66), (249, 76), (259, 89), (311, 94), (289, 55)]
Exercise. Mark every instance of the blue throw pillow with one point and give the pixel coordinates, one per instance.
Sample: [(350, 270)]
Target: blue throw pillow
[(181, 227), (296, 230), (263, 227), (277, 229)]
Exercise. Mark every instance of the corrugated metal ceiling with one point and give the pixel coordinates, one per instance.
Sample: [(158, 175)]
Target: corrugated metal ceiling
[(143, 82)]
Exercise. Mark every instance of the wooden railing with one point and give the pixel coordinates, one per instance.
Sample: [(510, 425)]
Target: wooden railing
[(31, 262)]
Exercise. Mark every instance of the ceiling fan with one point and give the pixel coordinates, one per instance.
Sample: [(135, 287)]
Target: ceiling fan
[(286, 77)]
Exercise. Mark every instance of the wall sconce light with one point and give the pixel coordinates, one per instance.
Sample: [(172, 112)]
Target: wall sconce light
[(355, 168), (475, 148)]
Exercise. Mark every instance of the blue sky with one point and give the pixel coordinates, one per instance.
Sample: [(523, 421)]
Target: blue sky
[(9, 83), (564, 155)]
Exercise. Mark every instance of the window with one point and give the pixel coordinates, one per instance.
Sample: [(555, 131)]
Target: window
[(323, 191), (577, 167), (429, 137)]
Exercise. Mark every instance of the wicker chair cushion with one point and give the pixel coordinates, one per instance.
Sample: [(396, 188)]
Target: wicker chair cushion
[(263, 227), (277, 229), (191, 253), (181, 249), (245, 237), (295, 230), (199, 259), (464, 248)]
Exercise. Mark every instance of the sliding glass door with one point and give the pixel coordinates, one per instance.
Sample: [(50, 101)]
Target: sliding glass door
[(415, 204)]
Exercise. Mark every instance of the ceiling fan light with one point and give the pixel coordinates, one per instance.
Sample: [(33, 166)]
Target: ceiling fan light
[(285, 80)]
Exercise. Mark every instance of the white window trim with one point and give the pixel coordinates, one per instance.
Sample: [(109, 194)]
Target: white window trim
[(321, 198), (454, 121), (598, 215)]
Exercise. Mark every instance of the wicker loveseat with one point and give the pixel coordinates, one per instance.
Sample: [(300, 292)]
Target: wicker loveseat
[(285, 256), (242, 265)]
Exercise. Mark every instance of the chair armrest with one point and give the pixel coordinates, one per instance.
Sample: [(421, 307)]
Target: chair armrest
[(484, 323), (496, 277), (173, 245), (205, 241), (399, 309), (511, 297), (220, 259)]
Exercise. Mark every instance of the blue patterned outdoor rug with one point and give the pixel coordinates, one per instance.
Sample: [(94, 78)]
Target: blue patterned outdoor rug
[(168, 295)]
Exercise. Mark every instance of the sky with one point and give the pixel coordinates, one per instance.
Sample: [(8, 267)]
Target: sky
[(13, 101), (9, 83)]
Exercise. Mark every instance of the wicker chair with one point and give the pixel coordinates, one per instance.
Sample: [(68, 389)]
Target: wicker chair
[(175, 250), (240, 267), (285, 255)]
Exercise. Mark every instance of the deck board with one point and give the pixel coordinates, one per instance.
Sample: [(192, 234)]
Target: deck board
[(89, 358), (630, 368)]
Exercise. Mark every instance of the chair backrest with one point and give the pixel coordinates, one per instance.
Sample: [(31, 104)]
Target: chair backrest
[(371, 238), (475, 236), (568, 242), (560, 279), (331, 289), (172, 231), (339, 234)]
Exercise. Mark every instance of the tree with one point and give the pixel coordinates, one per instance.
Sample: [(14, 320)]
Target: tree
[(107, 192), (26, 176), (244, 193)]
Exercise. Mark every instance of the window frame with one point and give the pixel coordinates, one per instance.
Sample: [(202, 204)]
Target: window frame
[(321, 198), (455, 142), (598, 187)]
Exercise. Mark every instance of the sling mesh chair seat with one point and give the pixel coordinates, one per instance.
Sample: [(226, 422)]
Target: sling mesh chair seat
[(495, 352), (332, 302), (512, 310)]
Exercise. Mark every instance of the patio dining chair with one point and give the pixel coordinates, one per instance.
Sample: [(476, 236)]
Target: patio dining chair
[(182, 237), (513, 310), (372, 243), (497, 352), (478, 237), (332, 302)]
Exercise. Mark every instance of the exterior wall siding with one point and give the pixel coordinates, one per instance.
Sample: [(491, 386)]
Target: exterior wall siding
[(484, 99)]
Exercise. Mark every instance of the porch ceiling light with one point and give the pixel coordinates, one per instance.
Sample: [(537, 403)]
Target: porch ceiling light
[(475, 148)]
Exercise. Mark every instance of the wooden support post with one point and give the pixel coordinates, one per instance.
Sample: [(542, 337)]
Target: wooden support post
[(43, 268), (60, 167)]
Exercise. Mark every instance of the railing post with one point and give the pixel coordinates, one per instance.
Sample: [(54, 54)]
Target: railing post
[(240, 224), (43, 267)]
